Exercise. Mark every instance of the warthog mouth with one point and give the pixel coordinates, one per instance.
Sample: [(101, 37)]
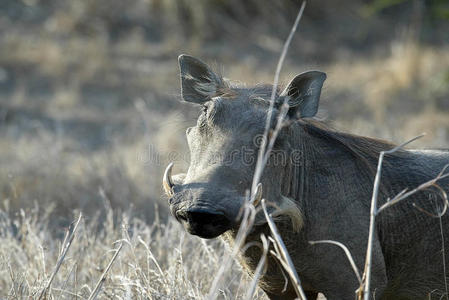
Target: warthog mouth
[(203, 220), (210, 222), (205, 223)]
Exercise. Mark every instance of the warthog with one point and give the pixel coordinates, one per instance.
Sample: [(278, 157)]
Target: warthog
[(320, 182)]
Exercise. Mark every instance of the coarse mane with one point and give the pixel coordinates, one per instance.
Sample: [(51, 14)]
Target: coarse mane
[(307, 135), (364, 149)]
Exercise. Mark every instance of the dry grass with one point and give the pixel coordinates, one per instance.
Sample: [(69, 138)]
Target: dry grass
[(89, 114), (157, 261)]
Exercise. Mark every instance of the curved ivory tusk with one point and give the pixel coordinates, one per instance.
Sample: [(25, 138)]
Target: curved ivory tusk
[(258, 194), (167, 181)]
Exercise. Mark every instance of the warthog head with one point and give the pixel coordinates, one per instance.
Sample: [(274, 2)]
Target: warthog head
[(224, 145)]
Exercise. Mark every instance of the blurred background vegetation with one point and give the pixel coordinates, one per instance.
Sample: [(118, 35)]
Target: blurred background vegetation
[(90, 111)]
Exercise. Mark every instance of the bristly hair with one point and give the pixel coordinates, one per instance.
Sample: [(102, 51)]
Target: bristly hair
[(364, 150), (262, 92)]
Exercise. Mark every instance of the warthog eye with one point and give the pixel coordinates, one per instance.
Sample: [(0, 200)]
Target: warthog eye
[(204, 108)]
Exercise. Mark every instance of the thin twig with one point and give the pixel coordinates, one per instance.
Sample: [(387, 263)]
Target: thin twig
[(66, 245), (347, 252), (276, 255), (291, 270), (99, 284), (259, 269), (248, 209), (373, 213), (444, 256), (402, 195), (445, 205), (151, 256), (74, 294), (284, 266), (399, 147), (262, 151)]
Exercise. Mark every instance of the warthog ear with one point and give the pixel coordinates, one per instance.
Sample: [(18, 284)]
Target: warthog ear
[(198, 82), (303, 94)]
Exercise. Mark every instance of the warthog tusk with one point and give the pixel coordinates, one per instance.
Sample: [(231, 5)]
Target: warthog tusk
[(258, 194), (167, 182)]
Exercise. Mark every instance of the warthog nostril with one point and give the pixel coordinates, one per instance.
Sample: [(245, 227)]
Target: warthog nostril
[(206, 218), (204, 223)]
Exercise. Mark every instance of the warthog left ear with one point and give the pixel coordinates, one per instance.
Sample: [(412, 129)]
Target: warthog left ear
[(303, 94), (198, 82)]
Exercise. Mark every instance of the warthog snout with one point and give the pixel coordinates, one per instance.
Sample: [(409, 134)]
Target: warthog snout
[(203, 223), (204, 209)]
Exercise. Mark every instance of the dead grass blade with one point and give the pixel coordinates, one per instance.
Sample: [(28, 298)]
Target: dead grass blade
[(249, 209), (347, 252), (402, 195), (365, 288), (66, 246), (260, 164), (260, 269), (99, 284), (283, 254)]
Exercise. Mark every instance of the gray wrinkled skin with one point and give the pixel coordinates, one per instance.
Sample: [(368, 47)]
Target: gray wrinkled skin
[(327, 174)]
